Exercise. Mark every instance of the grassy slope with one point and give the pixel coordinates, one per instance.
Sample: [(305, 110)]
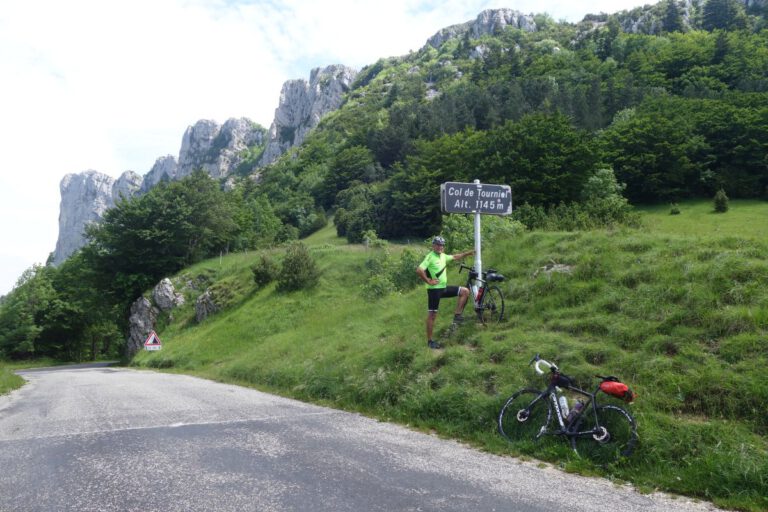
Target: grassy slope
[(679, 310)]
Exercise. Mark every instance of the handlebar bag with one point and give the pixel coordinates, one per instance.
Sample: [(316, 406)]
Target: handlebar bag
[(618, 390), (494, 276), (561, 380)]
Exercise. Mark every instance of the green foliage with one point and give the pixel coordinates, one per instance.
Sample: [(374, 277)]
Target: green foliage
[(724, 15), (459, 230), (721, 201), (265, 271), (299, 270), (387, 275)]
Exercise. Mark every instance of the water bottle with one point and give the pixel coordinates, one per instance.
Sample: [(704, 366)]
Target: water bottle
[(563, 406), (577, 408)]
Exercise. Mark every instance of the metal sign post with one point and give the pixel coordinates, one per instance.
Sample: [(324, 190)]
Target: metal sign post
[(480, 199)]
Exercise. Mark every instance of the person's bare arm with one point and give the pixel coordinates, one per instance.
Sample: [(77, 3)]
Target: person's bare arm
[(464, 254), (423, 276)]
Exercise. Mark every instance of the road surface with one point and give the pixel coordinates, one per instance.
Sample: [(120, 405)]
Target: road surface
[(113, 439)]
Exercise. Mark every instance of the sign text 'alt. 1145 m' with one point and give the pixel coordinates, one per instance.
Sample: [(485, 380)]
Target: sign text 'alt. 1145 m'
[(475, 198)]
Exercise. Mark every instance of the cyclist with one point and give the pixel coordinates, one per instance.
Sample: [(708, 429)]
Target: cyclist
[(433, 272)]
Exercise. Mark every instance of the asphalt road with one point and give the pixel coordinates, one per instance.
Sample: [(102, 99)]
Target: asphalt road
[(108, 439)]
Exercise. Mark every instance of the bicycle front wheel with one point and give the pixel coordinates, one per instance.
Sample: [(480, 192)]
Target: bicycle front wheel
[(492, 310), (524, 416), (612, 437)]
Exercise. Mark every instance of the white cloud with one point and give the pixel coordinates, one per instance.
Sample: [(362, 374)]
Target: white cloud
[(111, 86)]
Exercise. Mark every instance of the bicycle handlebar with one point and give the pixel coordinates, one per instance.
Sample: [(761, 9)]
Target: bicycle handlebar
[(537, 360)]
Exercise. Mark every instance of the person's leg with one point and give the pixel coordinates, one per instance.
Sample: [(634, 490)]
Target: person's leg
[(431, 315), (463, 296), (433, 303)]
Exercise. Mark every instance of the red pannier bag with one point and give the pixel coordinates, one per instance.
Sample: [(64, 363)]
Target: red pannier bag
[(612, 386)]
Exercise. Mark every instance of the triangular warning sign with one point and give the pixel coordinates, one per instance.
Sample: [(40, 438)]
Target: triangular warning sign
[(152, 342)]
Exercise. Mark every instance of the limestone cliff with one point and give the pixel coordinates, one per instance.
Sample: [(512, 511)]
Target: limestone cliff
[(303, 104), (489, 21), (84, 199)]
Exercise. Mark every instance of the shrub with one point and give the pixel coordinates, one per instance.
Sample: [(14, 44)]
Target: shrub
[(403, 274), (377, 286), (264, 271), (721, 201), (299, 270)]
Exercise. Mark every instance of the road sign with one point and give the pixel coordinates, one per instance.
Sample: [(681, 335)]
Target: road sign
[(152, 342), (475, 198)]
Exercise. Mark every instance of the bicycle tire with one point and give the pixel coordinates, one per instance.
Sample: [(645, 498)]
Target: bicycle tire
[(492, 310), (621, 436), (516, 426)]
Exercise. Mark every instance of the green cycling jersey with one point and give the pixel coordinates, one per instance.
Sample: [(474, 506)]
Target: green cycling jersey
[(434, 265)]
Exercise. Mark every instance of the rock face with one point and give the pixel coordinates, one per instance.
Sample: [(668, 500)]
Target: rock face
[(487, 22), (205, 306), (84, 199), (217, 149), (141, 322), (165, 297), (303, 104), (165, 169)]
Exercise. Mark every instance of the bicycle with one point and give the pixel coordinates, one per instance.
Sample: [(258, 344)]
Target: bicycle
[(488, 300), (603, 433)]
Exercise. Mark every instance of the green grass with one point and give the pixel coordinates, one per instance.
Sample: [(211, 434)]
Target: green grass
[(748, 218), (679, 311), (10, 381)]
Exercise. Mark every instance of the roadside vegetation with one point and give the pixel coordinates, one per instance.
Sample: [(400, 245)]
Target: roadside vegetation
[(679, 312)]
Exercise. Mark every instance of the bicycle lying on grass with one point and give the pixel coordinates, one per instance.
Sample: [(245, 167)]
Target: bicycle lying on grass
[(489, 301), (602, 433)]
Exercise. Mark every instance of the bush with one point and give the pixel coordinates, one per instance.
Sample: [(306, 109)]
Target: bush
[(264, 271), (299, 270), (721, 201)]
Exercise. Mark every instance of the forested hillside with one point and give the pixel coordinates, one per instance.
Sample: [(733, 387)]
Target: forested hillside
[(582, 120)]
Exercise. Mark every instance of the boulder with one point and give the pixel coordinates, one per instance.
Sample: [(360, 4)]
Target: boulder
[(141, 322), (205, 306), (165, 297)]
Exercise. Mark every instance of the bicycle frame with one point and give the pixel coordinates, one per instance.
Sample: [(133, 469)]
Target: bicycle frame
[(476, 286), (567, 429)]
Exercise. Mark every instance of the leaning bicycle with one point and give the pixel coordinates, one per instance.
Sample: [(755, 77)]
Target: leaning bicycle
[(488, 300), (600, 432)]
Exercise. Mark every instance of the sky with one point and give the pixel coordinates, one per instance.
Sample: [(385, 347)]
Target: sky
[(112, 85)]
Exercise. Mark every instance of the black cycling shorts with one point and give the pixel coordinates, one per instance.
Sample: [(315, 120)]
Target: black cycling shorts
[(435, 294)]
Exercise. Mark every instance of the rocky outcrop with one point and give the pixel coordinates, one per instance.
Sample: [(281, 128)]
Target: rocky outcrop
[(141, 322), (165, 297), (84, 199), (488, 22), (217, 149), (164, 169), (205, 306), (303, 104)]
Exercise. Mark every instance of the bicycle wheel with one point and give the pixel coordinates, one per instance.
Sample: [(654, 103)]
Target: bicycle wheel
[(493, 306), (524, 416), (615, 434)]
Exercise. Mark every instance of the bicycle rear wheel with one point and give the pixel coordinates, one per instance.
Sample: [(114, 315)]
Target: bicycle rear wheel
[(492, 310), (524, 416), (615, 434)]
